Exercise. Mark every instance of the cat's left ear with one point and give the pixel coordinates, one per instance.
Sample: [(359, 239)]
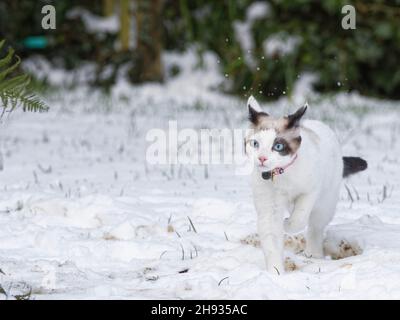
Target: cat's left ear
[(294, 118)]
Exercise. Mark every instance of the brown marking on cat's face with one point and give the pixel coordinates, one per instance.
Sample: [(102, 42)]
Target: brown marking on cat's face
[(268, 122), (263, 121), (291, 139), (290, 145)]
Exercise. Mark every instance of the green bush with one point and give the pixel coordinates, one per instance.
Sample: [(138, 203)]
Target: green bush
[(69, 44), (364, 59)]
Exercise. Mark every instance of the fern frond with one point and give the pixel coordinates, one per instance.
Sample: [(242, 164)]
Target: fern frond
[(4, 73), (14, 89), (28, 102), (15, 84)]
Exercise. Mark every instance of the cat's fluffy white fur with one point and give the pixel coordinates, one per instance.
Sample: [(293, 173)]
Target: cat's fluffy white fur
[(304, 196)]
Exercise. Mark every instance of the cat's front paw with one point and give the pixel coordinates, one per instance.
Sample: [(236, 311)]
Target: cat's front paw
[(292, 226)]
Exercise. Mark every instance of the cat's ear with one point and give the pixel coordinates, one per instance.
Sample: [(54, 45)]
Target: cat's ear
[(255, 110), (294, 118), (253, 104)]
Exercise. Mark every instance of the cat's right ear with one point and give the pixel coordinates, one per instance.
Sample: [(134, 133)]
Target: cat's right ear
[(255, 110)]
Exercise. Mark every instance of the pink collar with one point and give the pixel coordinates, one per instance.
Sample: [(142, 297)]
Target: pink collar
[(278, 170)]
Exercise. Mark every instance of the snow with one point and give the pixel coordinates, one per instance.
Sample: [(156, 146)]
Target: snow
[(280, 44), (99, 25), (94, 23), (243, 34), (57, 76), (244, 37), (257, 10), (83, 216)]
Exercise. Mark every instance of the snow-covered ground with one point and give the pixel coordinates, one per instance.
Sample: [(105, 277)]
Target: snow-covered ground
[(82, 215)]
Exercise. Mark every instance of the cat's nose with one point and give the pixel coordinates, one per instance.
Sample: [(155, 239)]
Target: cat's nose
[(262, 159)]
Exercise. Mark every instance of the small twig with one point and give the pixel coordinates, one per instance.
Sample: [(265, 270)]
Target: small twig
[(226, 237), (349, 193), (3, 291), (191, 223), (356, 192), (184, 270), (206, 174), (219, 283), (195, 249), (44, 170), (36, 179), (384, 193)]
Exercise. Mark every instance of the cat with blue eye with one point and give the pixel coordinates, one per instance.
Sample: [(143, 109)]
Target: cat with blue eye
[(296, 179), (278, 146)]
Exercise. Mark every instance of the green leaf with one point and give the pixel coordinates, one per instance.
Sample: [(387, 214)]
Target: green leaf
[(384, 30), (14, 89), (7, 59)]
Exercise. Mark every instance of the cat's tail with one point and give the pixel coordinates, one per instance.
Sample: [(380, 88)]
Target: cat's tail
[(353, 165)]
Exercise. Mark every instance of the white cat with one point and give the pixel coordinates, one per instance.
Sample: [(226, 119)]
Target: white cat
[(298, 169)]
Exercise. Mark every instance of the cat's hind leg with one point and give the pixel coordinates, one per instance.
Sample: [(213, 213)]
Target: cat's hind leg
[(314, 241)]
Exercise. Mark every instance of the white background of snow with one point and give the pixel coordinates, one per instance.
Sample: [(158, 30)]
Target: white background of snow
[(94, 23), (99, 24), (256, 10), (280, 44), (83, 216)]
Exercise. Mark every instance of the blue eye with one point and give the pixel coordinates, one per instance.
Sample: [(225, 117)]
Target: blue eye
[(254, 143), (278, 147)]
